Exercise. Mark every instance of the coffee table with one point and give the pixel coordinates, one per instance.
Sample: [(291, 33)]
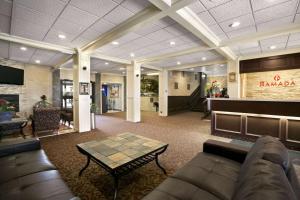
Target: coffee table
[(121, 154), (17, 123)]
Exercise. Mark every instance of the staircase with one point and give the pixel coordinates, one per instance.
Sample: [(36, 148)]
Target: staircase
[(196, 100)]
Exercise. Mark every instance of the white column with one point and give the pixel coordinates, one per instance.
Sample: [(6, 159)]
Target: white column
[(163, 93), (233, 87), (81, 102), (133, 89)]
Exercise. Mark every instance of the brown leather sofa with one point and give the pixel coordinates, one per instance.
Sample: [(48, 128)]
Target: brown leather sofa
[(230, 172), (27, 174)]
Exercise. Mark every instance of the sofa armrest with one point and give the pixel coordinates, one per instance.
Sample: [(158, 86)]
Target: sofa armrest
[(18, 146), (232, 151)]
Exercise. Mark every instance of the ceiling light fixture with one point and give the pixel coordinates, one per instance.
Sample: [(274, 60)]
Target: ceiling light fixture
[(192, 69), (221, 65), (178, 63), (272, 47), (61, 36), (123, 72), (142, 69), (122, 68), (37, 61), (203, 58), (234, 24), (115, 43), (23, 48), (106, 63), (132, 55), (152, 74), (172, 43)]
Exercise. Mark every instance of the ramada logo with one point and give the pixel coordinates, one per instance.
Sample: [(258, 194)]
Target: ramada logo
[(277, 82)]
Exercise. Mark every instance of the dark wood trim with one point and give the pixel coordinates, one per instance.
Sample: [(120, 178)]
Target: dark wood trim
[(273, 63)]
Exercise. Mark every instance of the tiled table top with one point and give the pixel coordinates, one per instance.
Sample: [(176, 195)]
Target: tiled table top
[(123, 148)]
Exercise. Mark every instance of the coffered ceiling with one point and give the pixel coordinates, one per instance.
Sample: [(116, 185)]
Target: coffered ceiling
[(75, 23)]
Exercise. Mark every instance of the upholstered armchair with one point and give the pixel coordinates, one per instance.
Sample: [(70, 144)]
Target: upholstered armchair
[(45, 119)]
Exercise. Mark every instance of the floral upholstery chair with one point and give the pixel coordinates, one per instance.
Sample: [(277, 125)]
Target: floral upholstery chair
[(45, 119)]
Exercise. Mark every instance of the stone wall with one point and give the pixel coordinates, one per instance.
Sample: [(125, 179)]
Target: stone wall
[(37, 81), (272, 85), (182, 78)]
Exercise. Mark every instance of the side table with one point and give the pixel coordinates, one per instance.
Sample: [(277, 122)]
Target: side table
[(15, 124)]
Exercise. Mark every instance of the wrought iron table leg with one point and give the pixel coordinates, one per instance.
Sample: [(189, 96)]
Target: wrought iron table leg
[(87, 164), (116, 182), (156, 160)]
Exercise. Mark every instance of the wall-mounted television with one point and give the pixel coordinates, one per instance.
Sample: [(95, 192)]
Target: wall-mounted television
[(10, 75)]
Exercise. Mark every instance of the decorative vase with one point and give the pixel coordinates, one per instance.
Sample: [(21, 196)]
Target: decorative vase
[(5, 116)]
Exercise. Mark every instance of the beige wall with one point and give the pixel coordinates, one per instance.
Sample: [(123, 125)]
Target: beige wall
[(221, 81), (255, 85), (183, 80), (37, 81), (68, 74)]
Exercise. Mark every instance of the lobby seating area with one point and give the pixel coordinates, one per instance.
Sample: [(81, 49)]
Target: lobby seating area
[(149, 99)]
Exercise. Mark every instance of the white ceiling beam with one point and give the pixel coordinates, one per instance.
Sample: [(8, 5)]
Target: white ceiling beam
[(198, 64), (173, 54), (253, 37), (272, 53), (110, 58), (36, 44), (63, 61), (146, 16), (152, 67)]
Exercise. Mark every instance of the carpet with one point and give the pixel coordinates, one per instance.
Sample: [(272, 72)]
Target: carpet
[(185, 134)]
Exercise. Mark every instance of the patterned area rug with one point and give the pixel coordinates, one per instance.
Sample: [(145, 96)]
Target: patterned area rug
[(185, 134)]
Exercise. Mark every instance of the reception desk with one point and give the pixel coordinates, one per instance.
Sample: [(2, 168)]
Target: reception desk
[(248, 119)]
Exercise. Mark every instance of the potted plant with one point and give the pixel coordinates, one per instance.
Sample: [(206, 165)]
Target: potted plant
[(93, 111), (6, 110)]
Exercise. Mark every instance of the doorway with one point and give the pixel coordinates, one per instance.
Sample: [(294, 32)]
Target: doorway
[(112, 98)]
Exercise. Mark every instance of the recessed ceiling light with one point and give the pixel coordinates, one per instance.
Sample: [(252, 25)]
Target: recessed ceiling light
[(23, 48), (178, 63), (142, 69), (61, 36), (106, 63), (203, 58), (221, 65), (192, 69), (234, 24), (115, 43), (123, 72), (172, 43), (37, 61), (122, 68), (272, 47), (132, 55)]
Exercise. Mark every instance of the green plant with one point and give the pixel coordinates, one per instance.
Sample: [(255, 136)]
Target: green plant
[(93, 108), (149, 86), (6, 106)]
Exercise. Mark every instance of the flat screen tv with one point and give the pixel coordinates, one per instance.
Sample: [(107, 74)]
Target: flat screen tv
[(10, 75)]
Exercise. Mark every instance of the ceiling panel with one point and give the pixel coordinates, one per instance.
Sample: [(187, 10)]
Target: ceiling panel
[(95, 7), (207, 18), (210, 4), (231, 10), (277, 11), (293, 43), (15, 53), (197, 7), (4, 23), (240, 32), (253, 50), (118, 15), (245, 20), (4, 48), (274, 41), (275, 23), (279, 46), (135, 6), (5, 7), (50, 7), (261, 4)]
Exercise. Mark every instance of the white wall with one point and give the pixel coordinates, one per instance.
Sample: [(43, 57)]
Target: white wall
[(68, 74), (37, 82)]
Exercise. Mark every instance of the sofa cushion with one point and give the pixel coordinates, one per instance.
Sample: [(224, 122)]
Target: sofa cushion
[(176, 189), (214, 174), (264, 180), (42, 185), (268, 148), (22, 164)]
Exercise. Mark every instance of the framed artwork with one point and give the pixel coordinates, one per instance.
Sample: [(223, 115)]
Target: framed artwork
[(84, 88), (115, 91), (176, 85), (232, 77), (188, 86)]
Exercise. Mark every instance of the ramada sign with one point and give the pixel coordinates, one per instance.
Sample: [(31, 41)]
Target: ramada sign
[(277, 82)]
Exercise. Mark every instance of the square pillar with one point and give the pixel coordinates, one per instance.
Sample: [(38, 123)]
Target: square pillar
[(133, 90), (233, 87), (163, 93), (98, 93), (81, 102)]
